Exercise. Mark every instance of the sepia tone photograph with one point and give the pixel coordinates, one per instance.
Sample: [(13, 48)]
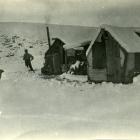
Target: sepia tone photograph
[(69, 69)]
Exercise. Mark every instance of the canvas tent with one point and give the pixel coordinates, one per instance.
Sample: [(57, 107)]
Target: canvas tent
[(77, 53), (114, 55), (54, 58)]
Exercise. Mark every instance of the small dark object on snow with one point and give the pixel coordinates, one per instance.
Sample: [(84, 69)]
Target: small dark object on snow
[(31, 47), (1, 71), (10, 46), (20, 44), (10, 54), (28, 58)]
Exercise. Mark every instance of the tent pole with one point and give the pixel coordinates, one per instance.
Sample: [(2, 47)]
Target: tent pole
[(48, 35)]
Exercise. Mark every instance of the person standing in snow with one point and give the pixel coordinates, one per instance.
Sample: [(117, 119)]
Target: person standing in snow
[(28, 58), (1, 71)]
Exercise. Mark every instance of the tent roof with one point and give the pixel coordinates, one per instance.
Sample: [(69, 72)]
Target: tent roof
[(77, 46), (126, 37)]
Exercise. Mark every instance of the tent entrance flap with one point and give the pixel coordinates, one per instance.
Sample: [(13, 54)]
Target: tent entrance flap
[(99, 61)]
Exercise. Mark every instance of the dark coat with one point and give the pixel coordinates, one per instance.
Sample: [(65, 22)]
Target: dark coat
[(1, 71), (28, 57)]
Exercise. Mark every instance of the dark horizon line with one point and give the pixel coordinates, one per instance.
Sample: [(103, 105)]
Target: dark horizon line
[(29, 22)]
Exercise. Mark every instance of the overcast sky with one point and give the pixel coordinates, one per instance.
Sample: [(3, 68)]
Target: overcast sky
[(76, 12)]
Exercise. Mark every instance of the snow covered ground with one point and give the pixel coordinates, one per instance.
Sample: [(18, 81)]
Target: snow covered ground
[(62, 107)]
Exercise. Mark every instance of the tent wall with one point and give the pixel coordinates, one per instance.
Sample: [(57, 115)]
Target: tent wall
[(52, 64), (137, 62), (56, 64), (113, 59), (57, 47), (130, 67), (90, 67)]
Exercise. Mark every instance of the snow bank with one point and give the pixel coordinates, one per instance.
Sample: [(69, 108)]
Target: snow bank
[(79, 78), (40, 108)]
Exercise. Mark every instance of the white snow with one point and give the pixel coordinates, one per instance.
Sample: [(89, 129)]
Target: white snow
[(62, 107), (72, 78)]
